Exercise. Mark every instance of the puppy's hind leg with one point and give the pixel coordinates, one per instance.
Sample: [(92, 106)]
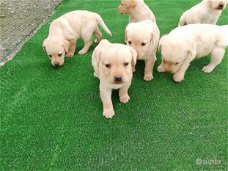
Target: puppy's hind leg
[(216, 58), (87, 38), (98, 35)]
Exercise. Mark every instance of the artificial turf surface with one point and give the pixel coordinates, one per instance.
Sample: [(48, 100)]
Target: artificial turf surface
[(51, 119)]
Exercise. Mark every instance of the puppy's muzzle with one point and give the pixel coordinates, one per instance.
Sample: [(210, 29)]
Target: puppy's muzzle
[(118, 80), (168, 68), (56, 64), (120, 10)]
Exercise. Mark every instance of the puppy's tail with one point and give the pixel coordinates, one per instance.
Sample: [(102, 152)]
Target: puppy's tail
[(102, 24)]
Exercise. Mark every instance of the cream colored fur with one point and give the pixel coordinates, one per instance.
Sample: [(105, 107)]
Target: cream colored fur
[(113, 64), (144, 37), (206, 12), (67, 29), (186, 43), (137, 10)]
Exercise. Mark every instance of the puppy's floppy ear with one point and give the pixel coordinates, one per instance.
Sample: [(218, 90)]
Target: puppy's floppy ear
[(44, 45), (96, 56), (152, 40), (162, 41), (126, 36), (66, 45), (191, 52), (134, 56), (133, 3)]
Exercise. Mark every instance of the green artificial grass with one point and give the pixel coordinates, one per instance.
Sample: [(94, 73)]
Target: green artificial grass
[(51, 119)]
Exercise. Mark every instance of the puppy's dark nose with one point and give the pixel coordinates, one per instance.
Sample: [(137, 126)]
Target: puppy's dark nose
[(118, 79), (56, 65), (221, 6)]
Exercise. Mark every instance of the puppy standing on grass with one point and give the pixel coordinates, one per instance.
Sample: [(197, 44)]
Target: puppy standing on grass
[(66, 30), (144, 37), (137, 10), (113, 65), (184, 44), (206, 12)]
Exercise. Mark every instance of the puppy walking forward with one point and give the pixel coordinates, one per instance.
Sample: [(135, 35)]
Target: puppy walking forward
[(144, 37), (113, 65)]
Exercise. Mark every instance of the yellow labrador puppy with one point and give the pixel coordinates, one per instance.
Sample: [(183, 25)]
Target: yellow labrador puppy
[(144, 37), (113, 65), (137, 10), (207, 12), (67, 29), (186, 43)]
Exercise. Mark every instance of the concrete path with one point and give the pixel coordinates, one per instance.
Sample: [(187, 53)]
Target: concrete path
[(18, 18)]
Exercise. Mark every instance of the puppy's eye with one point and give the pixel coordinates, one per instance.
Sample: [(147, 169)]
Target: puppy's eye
[(50, 56), (60, 54), (143, 44), (176, 63), (126, 64), (107, 65), (129, 42)]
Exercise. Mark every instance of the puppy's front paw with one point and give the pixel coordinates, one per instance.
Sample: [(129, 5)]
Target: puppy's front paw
[(124, 99), (160, 68), (82, 52), (148, 77), (178, 77), (208, 69), (70, 54), (108, 113)]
